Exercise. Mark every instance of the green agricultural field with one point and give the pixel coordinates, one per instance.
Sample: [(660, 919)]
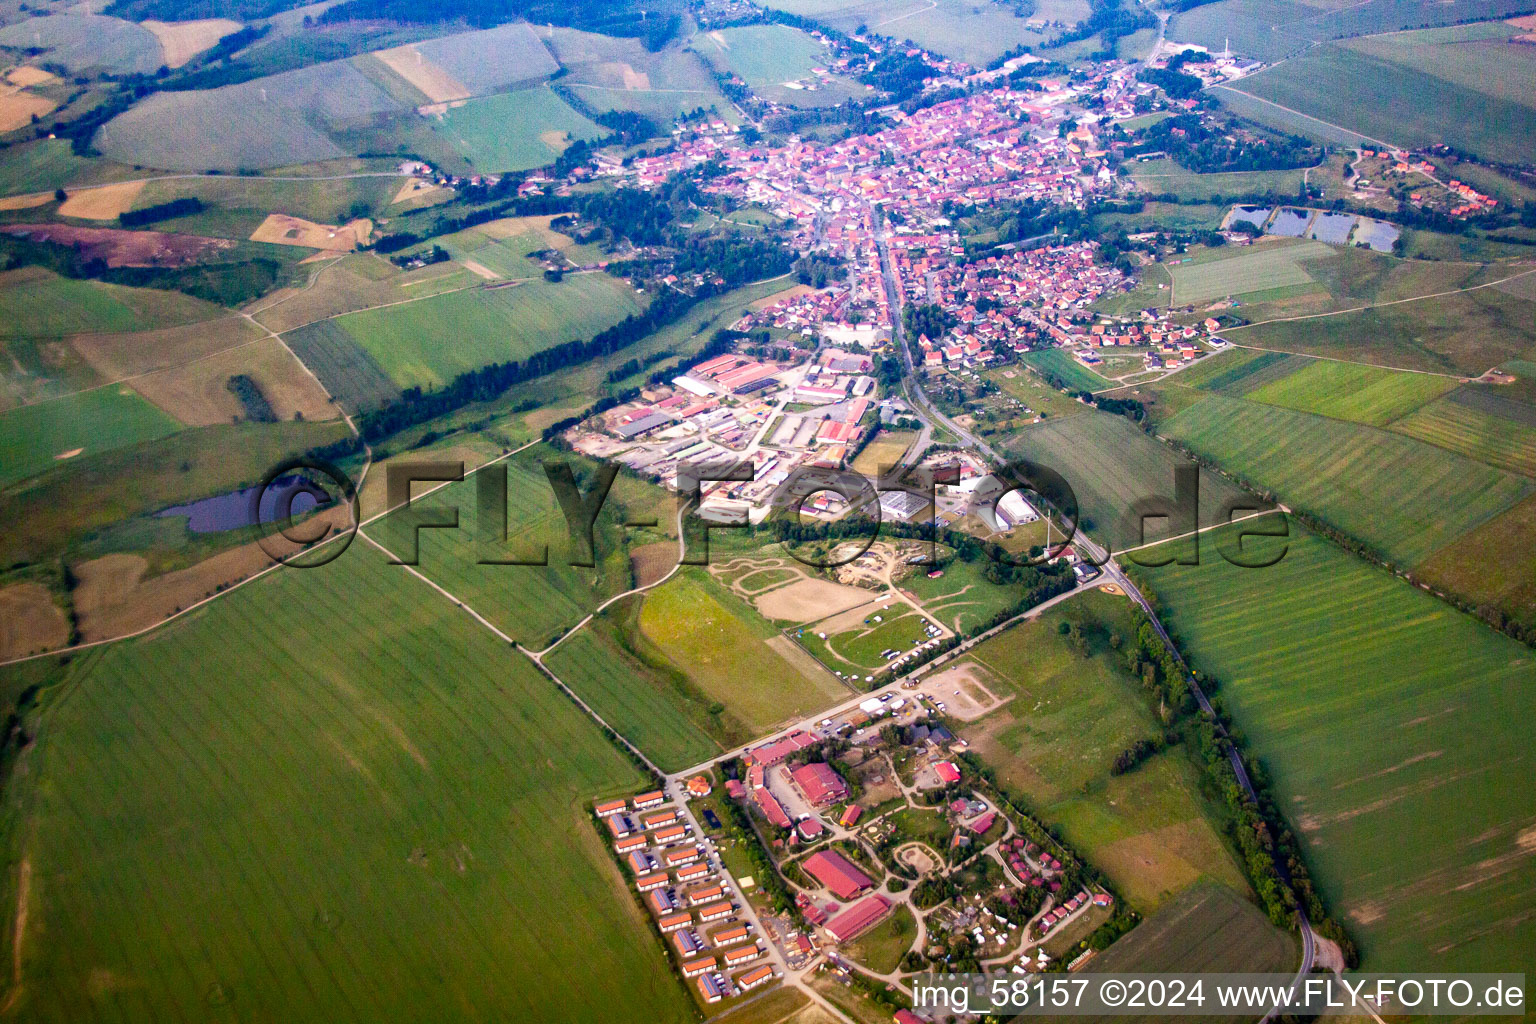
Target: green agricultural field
[(1377, 711), (1206, 928), (1160, 176), (1492, 567), (723, 647), (37, 303), (487, 325), (973, 32), (343, 366), (1149, 830), (642, 696), (1239, 370), (236, 206), (1220, 273), (1111, 465), (339, 765), (34, 438), (768, 57), (1057, 363), (882, 947), (513, 131), (1354, 392), (1396, 90), (1403, 497), (1463, 333), (83, 500), (1471, 431), (40, 166), (610, 73), (533, 604)]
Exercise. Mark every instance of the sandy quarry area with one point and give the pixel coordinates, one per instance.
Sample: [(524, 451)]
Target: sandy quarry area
[(281, 229)]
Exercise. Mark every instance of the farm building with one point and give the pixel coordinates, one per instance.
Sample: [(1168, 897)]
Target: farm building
[(675, 858), (819, 784), (694, 968), (656, 819), (671, 834), (850, 815), (715, 911), (692, 872), (733, 933), (753, 978), (709, 989), (742, 955), (947, 772), (837, 873), (858, 918), (770, 754)]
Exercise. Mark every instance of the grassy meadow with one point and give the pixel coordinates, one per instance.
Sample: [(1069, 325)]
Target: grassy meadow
[(1265, 268), (34, 438), (1403, 497), (37, 303), (487, 325), (721, 644), (641, 694), (331, 796), (512, 131), (1112, 465), (1353, 392), (1378, 712), (1058, 363), (1149, 830)]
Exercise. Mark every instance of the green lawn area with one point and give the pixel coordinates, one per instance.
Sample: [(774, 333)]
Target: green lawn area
[(1393, 729), (1112, 465), (963, 597), (513, 131), (1149, 830), (329, 796), (641, 695), (1403, 497), (721, 644), (1058, 363), (859, 650), (428, 343), (1218, 273), (39, 166), (33, 437), (1354, 392), (882, 947), (1159, 176)]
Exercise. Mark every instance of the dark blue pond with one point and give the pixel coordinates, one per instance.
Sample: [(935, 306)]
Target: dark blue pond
[(232, 510)]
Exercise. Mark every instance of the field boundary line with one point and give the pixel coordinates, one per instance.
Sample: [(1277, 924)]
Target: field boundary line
[(258, 575), (1380, 305), (1309, 117), (1203, 529)]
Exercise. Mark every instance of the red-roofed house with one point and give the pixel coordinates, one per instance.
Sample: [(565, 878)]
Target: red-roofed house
[(947, 772)]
